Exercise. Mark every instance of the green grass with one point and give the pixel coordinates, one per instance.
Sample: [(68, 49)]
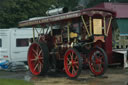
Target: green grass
[(14, 82)]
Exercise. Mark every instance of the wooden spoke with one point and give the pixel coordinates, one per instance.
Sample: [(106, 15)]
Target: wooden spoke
[(34, 59), (35, 55), (68, 59), (69, 67), (71, 55), (39, 67), (77, 66), (36, 66), (40, 52), (41, 58), (76, 59), (35, 51), (76, 62), (73, 70)]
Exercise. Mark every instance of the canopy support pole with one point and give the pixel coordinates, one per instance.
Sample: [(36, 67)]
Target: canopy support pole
[(109, 25), (85, 26), (105, 33)]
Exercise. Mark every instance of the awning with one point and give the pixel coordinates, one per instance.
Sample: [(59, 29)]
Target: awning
[(123, 26)]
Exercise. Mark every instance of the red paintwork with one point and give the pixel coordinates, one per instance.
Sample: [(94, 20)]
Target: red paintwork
[(108, 46)]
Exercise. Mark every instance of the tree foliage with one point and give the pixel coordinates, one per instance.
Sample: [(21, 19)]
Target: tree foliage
[(13, 11)]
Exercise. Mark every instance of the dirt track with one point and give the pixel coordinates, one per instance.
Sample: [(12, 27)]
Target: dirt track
[(114, 76)]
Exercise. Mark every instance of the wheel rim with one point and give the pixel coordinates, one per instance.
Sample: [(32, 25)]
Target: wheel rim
[(97, 62), (35, 59), (71, 63)]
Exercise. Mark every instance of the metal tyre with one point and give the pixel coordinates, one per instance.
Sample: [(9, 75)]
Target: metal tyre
[(98, 62), (38, 56), (72, 63)]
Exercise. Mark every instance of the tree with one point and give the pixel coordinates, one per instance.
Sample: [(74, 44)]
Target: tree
[(13, 11)]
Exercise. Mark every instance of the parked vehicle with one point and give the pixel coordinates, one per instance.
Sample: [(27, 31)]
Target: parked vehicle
[(75, 38), (14, 43)]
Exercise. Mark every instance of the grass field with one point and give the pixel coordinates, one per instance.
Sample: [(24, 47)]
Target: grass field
[(14, 82)]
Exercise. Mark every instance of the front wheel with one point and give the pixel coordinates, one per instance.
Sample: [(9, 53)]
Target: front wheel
[(72, 63), (98, 61), (38, 56)]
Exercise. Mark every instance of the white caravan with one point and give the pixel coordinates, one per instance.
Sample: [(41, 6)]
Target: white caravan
[(14, 43)]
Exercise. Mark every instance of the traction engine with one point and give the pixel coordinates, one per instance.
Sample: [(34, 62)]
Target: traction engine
[(69, 41)]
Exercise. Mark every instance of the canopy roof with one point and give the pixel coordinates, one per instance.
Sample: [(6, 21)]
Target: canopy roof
[(66, 16)]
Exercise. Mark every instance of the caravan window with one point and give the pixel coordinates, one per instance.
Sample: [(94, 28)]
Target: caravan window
[(0, 42), (22, 42)]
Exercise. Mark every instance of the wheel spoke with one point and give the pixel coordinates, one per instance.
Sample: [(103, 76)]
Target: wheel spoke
[(69, 67), (40, 58), (36, 66), (40, 67), (41, 63), (71, 55), (77, 66), (35, 51), (40, 52), (93, 65), (35, 63), (76, 63), (68, 59), (75, 58), (33, 59), (100, 67), (73, 70)]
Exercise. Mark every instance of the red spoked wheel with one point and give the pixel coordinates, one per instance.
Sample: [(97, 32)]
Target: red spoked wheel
[(98, 61), (37, 58), (72, 63)]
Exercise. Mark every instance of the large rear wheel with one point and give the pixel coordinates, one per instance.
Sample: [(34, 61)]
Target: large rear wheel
[(38, 56), (72, 63), (98, 61)]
